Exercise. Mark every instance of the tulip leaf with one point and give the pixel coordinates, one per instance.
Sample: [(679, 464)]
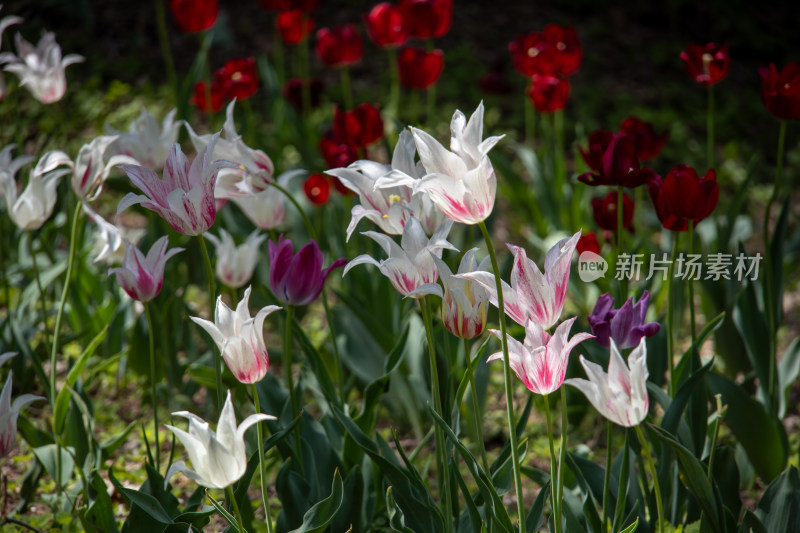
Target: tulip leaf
[(751, 523), (99, 515), (149, 505), (229, 518), (47, 457), (316, 364), (788, 370), (631, 528), (472, 512), (776, 264), (535, 517), (62, 398), (750, 321), (675, 410), (321, 513), (779, 507), (396, 519)]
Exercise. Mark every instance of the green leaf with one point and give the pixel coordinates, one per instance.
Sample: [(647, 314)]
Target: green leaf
[(750, 321), (788, 370), (673, 414), (62, 399), (779, 508), (47, 457), (536, 516), (149, 504), (223, 512), (317, 366), (631, 528), (776, 258), (396, 519), (751, 523), (320, 515)]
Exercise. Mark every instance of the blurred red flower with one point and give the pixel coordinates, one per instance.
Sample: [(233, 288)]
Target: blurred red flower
[(201, 94), (555, 50), (293, 92), (339, 47), (420, 69), (427, 19), (612, 160), (335, 152), (238, 78), (648, 143), (360, 127), (194, 15), (780, 92), (604, 211), (386, 25), (588, 243), (706, 63), (317, 188), (294, 26), (683, 196), (548, 93)]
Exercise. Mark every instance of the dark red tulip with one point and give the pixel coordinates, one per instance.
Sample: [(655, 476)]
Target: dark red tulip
[(555, 50), (294, 26), (780, 92), (293, 92), (706, 63), (527, 53), (612, 159), (386, 25), (194, 15), (336, 153), (339, 47), (548, 93), (427, 19), (238, 78), (604, 211), (588, 243), (360, 127), (683, 196), (420, 69), (648, 143), (317, 188), (201, 95)]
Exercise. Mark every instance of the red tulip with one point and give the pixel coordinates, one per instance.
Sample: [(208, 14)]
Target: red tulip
[(548, 93), (386, 25), (556, 50), (604, 211), (613, 161), (427, 18), (706, 64), (339, 47), (420, 69), (360, 127), (293, 92), (588, 243), (238, 78), (201, 95), (566, 52), (648, 143), (336, 153), (194, 15), (781, 92), (683, 196), (294, 26), (317, 188)]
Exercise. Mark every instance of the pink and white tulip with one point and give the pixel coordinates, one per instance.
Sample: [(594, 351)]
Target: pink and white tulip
[(266, 209), (410, 264), (621, 394), (184, 197), (235, 264), (10, 411), (147, 141), (541, 361), (142, 277), (240, 338), (533, 295), (5, 22), (30, 209), (41, 68)]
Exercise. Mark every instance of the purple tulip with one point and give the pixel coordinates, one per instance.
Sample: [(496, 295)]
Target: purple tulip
[(297, 279), (625, 325)]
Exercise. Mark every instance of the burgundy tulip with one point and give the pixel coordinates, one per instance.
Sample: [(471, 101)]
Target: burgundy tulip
[(648, 143), (360, 127), (201, 96), (566, 48), (780, 92), (604, 211), (317, 188), (386, 25), (683, 196), (194, 15), (427, 19), (706, 64), (612, 159), (297, 279), (548, 93), (555, 50), (420, 69), (339, 47), (294, 26), (238, 78), (588, 243), (337, 153)]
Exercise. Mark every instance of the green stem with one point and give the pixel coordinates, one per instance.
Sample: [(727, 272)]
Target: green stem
[(710, 128), (560, 159), (153, 381), (714, 437), (554, 476), (287, 361), (507, 379), (607, 480), (337, 358), (413, 107), (530, 119), (235, 504), (649, 455), (394, 86), (42, 299), (562, 459), (670, 314), (211, 308), (691, 294), (475, 407), (347, 92), (166, 52), (622, 487), (441, 453), (306, 220), (261, 464)]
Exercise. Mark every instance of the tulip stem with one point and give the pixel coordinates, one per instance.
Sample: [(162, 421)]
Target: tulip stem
[(648, 453), (413, 107), (211, 307), (235, 505), (166, 52), (347, 92), (287, 360), (306, 220), (475, 407), (692, 326), (715, 435), (622, 488), (336, 356), (671, 312), (394, 87), (607, 480), (42, 298), (530, 119), (554, 468), (562, 459), (150, 335), (710, 128), (507, 380), (280, 63), (441, 453), (261, 465)]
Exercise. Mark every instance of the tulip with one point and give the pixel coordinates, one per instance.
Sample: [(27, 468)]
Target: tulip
[(613, 161), (335, 152), (266, 208), (386, 25), (31, 209), (208, 100), (621, 394), (5, 22), (548, 93), (317, 188), (541, 361), (339, 47), (461, 182), (385, 200), (427, 19), (185, 195), (146, 141), (250, 170), (9, 166), (41, 69), (238, 78), (10, 411), (142, 277), (532, 295), (555, 51), (528, 54), (235, 264), (194, 15), (604, 211), (647, 142), (110, 240), (780, 92), (410, 265), (293, 92), (360, 127), (566, 49), (294, 26), (219, 459), (297, 279), (588, 243), (240, 338), (626, 326), (420, 69), (706, 64), (683, 196)]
